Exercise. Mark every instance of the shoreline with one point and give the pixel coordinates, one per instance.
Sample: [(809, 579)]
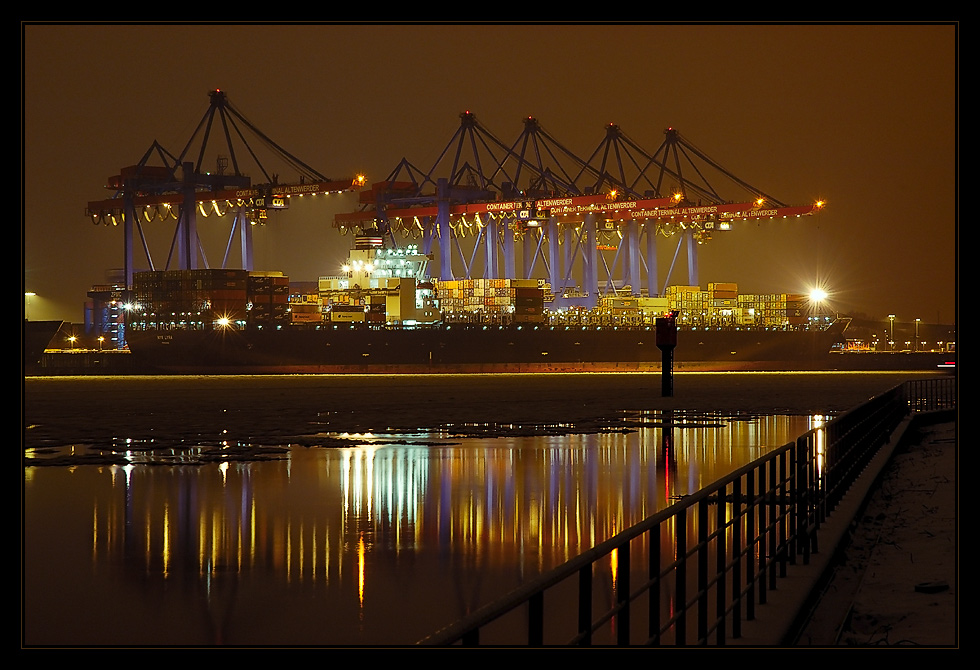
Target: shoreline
[(124, 363), (263, 407)]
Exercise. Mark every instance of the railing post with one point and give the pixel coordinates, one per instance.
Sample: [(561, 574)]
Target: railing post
[(783, 521), (817, 494), (623, 594), (803, 503), (703, 571), (773, 534), (792, 495), (737, 558), (791, 490), (721, 558), (820, 476), (654, 605), (750, 541), (763, 530), (680, 577)]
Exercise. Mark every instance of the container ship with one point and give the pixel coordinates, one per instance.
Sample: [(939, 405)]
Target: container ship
[(384, 315)]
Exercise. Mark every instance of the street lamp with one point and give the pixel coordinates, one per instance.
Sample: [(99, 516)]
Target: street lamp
[(27, 309), (916, 345), (891, 336)]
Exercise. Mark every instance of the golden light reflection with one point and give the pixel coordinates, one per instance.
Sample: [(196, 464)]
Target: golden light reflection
[(818, 422), (202, 544), (95, 533), (252, 544), (147, 539), (614, 568), (214, 557), (361, 552), (166, 549), (289, 554), (301, 567), (497, 503)]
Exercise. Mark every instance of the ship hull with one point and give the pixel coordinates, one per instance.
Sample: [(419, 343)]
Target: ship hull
[(474, 349)]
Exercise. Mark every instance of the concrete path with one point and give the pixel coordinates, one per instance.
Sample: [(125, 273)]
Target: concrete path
[(887, 570), (897, 583)]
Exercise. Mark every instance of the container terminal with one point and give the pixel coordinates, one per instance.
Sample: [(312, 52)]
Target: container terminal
[(493, 235)]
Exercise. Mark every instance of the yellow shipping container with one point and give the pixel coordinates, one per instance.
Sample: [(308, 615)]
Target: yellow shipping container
[(683, 289), (347, 317)]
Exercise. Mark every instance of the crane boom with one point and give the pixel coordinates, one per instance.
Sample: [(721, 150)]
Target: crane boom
[(248, 196), (656, 208)]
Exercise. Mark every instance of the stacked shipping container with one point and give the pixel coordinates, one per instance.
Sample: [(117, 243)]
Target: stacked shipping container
[(305, 309), (633, 310), (198, 299), (268, 299), (524, 298), (722, 304)]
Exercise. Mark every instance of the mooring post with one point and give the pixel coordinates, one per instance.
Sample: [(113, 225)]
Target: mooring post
[(666, 341)]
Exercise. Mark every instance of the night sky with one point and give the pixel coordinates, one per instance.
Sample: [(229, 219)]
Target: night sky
[(862, 116)]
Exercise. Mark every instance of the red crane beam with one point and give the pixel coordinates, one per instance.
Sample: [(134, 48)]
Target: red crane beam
[(657, 208)]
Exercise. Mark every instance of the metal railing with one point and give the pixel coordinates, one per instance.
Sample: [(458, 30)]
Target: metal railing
[(713, 557)]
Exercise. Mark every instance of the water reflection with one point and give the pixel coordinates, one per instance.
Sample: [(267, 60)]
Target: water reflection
[(379, 542)]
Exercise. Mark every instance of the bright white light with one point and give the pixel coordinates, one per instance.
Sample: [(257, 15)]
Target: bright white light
[(818, 295)]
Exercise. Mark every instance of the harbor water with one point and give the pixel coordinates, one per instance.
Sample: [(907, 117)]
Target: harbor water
[(150, 526)]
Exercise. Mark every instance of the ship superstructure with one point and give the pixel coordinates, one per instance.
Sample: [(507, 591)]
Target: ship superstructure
[(380, 287)]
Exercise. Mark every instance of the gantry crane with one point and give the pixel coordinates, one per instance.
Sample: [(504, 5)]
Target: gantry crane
[(566, 212), (180, 189)]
